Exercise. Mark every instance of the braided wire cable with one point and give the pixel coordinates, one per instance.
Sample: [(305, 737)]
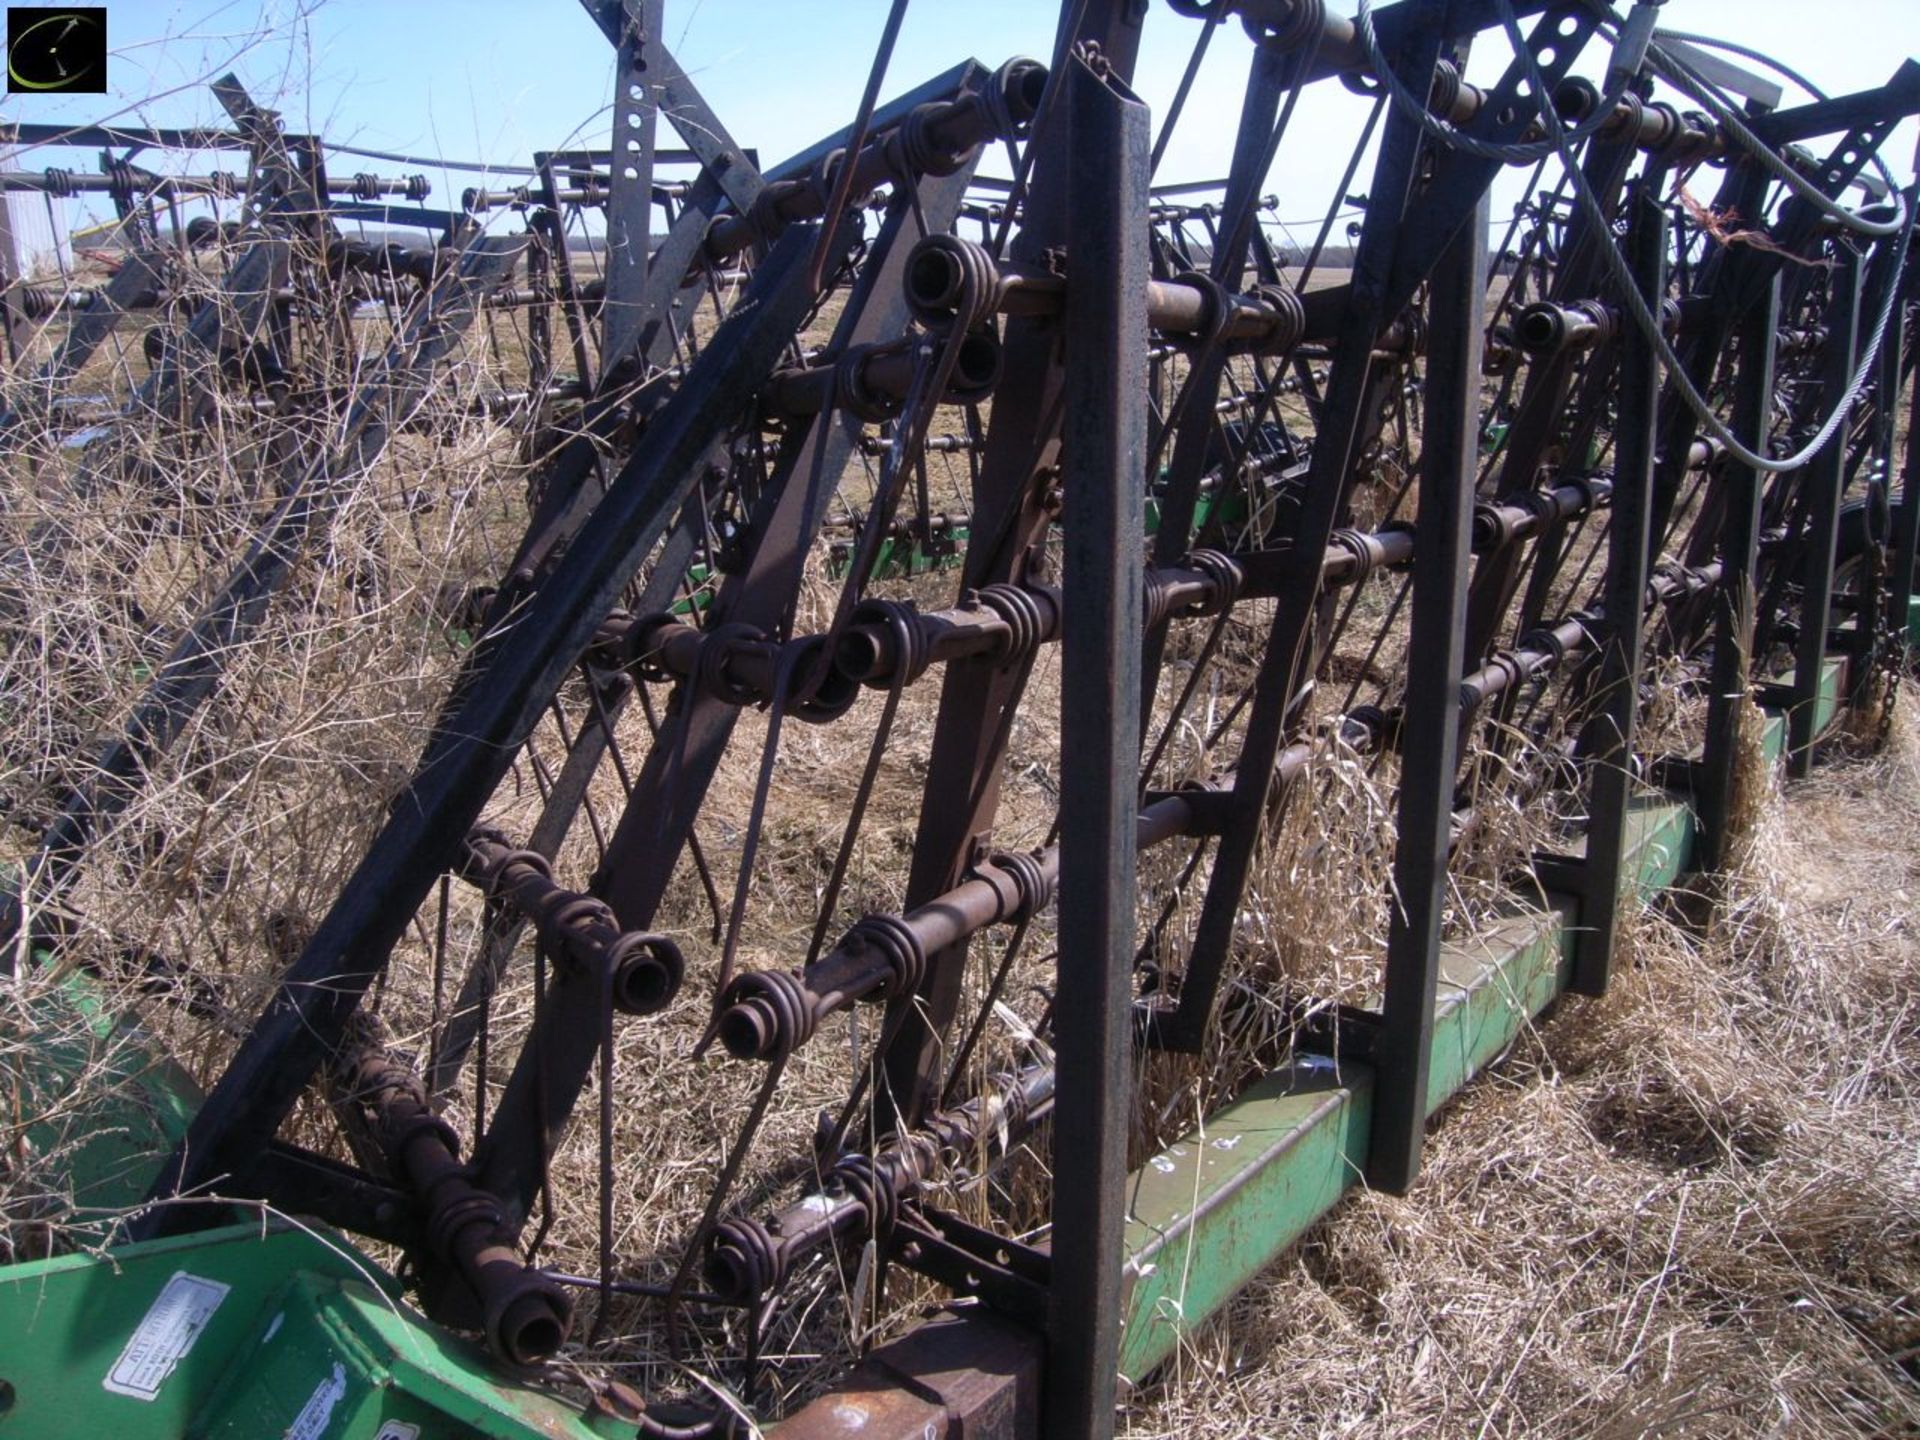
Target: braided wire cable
[(1682, 76), (1650, 327), (1451, 135)]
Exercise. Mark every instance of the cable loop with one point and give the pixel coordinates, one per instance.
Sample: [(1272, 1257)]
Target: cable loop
[(1450, 135), (1636, 303)]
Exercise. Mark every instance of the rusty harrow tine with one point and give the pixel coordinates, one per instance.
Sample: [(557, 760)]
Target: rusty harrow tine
[(1179, 101), (843, 179), (863, 793), (679, 1288), (996, 987), (1340, 192), (750, 842), (694, 851)]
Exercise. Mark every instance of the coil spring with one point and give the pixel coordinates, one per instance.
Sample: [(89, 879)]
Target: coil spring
[(1219, 307), (1009, 108), (766, 1015), (647, 971), (972, 295), (912, 152), (744, 1263), (898, 946), (871, 1186), (711, 673), (911, 652), (1307, 19), (1290, 314), (1030, 877), (1021, 613), (851, 392), (490, 875), (1364, 552), (1225, 575)]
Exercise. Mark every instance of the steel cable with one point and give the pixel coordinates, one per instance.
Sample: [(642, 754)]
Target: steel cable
[(1643, 316)]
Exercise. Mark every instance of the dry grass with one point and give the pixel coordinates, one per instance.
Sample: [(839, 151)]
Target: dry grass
[(1692, 1208)]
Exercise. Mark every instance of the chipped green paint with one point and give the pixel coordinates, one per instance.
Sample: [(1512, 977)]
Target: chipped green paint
[(1211, 1212), (1207, 1214), (246, 1331)]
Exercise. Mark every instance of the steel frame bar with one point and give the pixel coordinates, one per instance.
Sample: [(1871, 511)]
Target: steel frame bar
[(1429, 746), (1104, 458), (1285, 661), (1608, 741), (1821, 484), (1733, 601)]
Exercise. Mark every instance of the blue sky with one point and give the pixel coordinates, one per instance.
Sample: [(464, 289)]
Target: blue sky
[(498, 79)]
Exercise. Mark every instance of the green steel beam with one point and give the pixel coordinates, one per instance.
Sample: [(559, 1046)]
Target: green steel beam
[(1208, 1214), (94, 1143), (1211, 1212)]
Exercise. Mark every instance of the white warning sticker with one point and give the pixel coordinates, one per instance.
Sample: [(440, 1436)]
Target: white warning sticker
[(398, 1430), (164, 1335), (314, 1417)]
